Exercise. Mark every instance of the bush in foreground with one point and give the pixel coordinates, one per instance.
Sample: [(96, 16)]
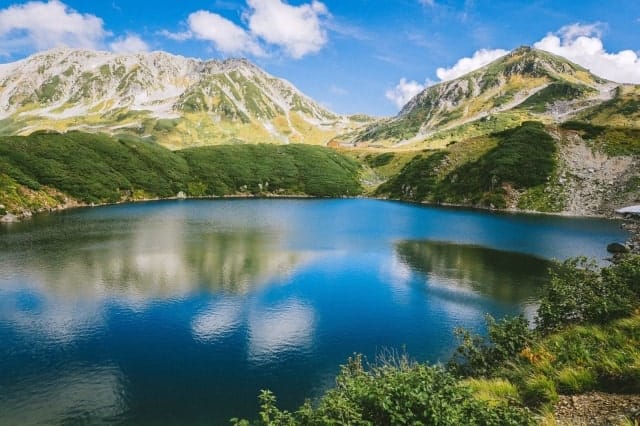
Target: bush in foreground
[(394, 393)]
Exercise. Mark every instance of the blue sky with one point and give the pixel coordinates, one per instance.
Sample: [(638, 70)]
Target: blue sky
[(353, 56)]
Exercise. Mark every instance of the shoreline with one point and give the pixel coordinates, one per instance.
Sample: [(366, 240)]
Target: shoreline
[(25, 215), (629, 224)]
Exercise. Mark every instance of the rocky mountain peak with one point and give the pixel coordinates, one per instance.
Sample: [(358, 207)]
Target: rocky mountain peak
[(79, 89)]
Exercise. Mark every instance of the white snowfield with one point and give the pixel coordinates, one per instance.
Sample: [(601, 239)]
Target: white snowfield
[(633, 210)]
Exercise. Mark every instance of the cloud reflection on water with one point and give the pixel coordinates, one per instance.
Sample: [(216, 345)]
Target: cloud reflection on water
[(285, 327)]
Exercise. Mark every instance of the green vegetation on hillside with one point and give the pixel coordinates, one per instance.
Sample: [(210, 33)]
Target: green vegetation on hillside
[(523, 158), (288, 169), (587, 337), (98, 168), (609, 139), (538, 102), (505, 377)]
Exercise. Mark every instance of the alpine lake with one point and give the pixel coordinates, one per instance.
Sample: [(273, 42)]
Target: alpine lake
[(180, 312)]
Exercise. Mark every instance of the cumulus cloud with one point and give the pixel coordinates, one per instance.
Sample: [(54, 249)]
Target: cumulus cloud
[(465, 65), (582, 45), (297, 30), (404, 92), (226, 36), (129, 44), (43, 25)]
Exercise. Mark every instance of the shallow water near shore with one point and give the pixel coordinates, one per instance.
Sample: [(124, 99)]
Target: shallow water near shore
[(179, 312)]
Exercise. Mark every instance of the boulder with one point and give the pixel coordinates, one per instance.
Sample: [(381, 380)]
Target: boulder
[(181, 195), (617, 248), (9, 218)]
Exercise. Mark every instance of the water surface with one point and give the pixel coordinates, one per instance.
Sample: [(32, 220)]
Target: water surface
[(180, 312)]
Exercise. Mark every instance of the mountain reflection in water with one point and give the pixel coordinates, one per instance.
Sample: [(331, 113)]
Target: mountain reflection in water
[(500, 275)]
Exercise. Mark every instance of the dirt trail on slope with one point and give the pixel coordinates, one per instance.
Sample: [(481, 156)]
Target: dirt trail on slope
[(563, 110), (597, 409)]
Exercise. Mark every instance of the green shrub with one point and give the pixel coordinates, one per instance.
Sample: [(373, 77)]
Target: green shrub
[(625, 273), (380, 160), (576, 380), (397, 393), (480, 356), (580, 293), (538, 390), (494, 391), (196, 189)]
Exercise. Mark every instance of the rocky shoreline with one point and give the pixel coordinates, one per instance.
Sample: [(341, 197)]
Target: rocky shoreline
[(9, 217), (633, 227), (632, 224)]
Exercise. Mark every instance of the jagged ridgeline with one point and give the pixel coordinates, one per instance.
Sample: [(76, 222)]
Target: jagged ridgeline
[(176, 101), (48, 170), (526, 84)]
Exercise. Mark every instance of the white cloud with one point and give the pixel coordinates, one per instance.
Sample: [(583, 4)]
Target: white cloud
[(582, 45), (226, 36), (129, 44), (296, 29), (43, 25), (404, 92), (465, 65)]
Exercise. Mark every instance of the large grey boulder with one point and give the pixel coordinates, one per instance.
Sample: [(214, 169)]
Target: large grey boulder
[(617, 248), (9, 218)]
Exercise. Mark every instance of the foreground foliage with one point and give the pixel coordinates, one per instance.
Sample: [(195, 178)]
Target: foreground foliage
[(587, 338), (396, 393)]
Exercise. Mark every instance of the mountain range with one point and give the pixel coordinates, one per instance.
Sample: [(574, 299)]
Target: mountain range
[(530, 130), (177, 101)]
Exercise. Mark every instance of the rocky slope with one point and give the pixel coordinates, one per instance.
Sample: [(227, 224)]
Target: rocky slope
[(175, 100)]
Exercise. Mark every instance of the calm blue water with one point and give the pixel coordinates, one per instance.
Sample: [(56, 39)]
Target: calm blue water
[(180, 312)]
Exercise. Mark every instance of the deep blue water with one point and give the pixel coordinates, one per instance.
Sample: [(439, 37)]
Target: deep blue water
[(180, 312)]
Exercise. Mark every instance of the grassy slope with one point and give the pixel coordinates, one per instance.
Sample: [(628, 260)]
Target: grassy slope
[(573, 361), (478, 171), (40, 170)]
